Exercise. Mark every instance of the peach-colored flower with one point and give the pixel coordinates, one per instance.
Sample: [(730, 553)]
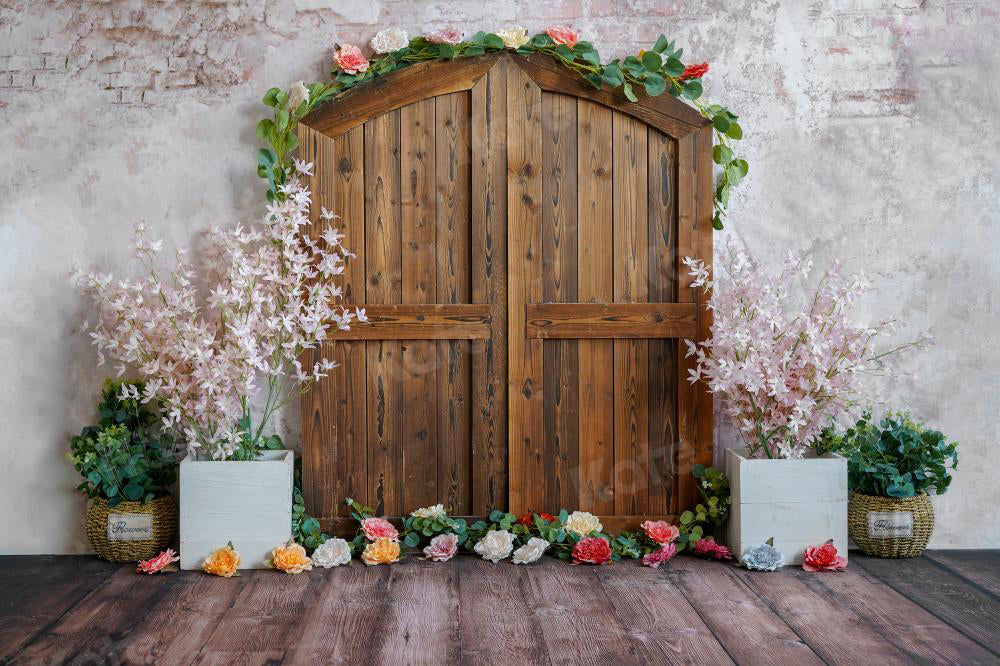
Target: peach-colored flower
[(350, 59), (378, 528), (290, 558), (222, 562), (445, 36), (159, 563), (562, 34), (661, 531), (381, 551)]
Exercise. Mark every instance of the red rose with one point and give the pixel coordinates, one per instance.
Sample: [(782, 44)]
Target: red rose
[(694, 71), (824, 558), (592, 550), (525, 519), (547, 516)]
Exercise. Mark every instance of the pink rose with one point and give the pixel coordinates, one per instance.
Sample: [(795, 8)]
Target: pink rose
[(709, 549), (824, 558), (350, 59), (658, 557), (443, 547), (561, 34), (158, 563), (445, 36), (592, 550), (378, 528), (660, 531)]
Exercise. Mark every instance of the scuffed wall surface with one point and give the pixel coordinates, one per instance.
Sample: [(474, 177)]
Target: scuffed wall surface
[(871, 135)]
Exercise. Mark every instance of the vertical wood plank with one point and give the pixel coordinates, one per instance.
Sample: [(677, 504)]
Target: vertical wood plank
[(704, 401), (489, 285), (631, 286), (452, 137), (595, 285), (560, 362), (662, 206), (419, 285), (524, 243), (685, 491), (383, 256), (334, 417)]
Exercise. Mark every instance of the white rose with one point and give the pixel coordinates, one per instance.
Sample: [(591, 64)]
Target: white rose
[(297, 94), (531, 551), (389, 40), (583, 523), (332, 553), (496, 545), (513, 37), (436, 511)]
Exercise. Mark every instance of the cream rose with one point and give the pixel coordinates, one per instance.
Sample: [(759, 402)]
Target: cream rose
[(583, 523), (513, 37), (389, 40), (531, 551), (297, 94), (332, 553), (436, 511), (496, 545)]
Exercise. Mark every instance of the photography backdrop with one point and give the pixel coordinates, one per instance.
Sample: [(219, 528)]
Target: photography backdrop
[(870, 130)]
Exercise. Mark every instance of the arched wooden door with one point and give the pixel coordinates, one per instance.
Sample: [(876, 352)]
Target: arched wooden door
[(517, 236)]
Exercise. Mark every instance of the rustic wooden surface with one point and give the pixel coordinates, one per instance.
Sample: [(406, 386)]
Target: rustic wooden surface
[(939, 608)]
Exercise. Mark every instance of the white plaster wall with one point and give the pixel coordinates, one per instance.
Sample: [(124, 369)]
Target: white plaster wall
[(870, 128)]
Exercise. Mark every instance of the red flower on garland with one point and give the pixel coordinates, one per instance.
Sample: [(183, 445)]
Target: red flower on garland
[(525, 519), (546, 516), (528, 518), (592, 550), (694, 71), (824, 558)]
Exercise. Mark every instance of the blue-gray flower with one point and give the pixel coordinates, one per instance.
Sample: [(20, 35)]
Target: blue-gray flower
[(763, 557)]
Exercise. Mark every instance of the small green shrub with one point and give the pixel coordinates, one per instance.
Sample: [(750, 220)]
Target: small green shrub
[(897, 457)]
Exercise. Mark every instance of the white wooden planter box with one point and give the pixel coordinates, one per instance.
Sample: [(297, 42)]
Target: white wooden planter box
[(799, 503), (246, 502)]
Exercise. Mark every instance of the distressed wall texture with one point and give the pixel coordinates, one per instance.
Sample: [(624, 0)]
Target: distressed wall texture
[(871, 135)]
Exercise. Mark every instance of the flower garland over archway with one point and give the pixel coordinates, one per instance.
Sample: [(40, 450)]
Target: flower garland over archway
[(655, 71)]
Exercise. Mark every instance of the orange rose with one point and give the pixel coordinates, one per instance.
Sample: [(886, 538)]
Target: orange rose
[(291, 558), (381, 551), (223, 562)]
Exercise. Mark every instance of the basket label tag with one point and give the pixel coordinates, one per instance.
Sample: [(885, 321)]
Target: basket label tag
[(130, 527), (890, 525)]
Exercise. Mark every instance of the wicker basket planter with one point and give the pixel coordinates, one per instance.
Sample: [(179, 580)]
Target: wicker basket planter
[(890, 527), (126, 534)]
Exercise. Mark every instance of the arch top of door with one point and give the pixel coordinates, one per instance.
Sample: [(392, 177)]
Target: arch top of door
[(439, 77)]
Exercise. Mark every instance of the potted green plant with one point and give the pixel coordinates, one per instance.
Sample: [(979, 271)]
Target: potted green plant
[(127, 469), (893, 466)]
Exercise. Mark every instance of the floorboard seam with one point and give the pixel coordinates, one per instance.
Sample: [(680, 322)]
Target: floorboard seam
[(707, 626), (965, 579)]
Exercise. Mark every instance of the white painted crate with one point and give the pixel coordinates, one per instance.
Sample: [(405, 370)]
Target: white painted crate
[(246, 502), (798, 503)]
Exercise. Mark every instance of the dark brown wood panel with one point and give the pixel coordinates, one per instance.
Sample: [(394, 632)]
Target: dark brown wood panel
[(436, 321), (595, 251), (611, 320)]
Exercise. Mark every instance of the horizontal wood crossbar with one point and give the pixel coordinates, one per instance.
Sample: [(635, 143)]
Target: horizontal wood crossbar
[(436, 321), (611, 320), (612, 524)]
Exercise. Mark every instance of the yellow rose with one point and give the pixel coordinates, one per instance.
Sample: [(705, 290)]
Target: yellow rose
[(381, 551), (513, 37), (291, 559), (223, 562)]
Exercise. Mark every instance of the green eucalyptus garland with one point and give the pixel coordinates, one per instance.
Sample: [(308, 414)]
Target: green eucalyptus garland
[(655, 71)]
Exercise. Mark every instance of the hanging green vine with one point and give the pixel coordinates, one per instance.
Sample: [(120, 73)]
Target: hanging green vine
[(656, 71)]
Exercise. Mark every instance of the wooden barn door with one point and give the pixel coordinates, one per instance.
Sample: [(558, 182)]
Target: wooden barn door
[(516, 250)]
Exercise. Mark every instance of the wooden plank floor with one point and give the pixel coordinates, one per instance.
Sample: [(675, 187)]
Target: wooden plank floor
[(943, 607)]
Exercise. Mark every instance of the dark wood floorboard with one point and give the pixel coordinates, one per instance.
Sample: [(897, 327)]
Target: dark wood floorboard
[(940, 608)]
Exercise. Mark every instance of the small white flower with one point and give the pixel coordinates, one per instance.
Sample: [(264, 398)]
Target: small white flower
[(583, 523), (332, 553), (496, 545), (531, 551), (513, 37), (297, 94), (389, 40), (436, 511)]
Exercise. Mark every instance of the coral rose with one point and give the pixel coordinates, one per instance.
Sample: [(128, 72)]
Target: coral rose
[(378, 528), (561, 34), (592, 550), (658, 557), (350, 59), (824, 558), (661, 531), (161, 562), (223, 562), (381, 551), (694, 71)]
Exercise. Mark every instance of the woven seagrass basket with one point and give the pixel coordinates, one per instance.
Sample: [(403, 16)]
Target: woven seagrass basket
[(876, 541), (163, 523)]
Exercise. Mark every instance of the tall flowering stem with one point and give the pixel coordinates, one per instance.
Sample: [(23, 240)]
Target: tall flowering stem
[(270, 295), (784, 372)]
